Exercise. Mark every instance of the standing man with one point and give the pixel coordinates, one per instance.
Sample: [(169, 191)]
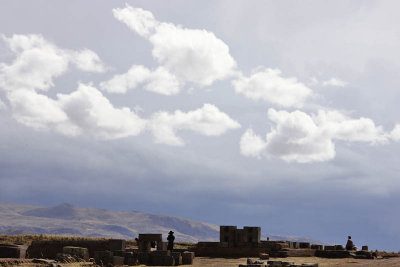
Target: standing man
[(170, 239), (350, 244)]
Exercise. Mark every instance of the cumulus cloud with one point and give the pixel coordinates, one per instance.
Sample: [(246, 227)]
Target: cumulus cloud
[(335, 82), (159, 81), (207, 120), (84, 111), (268, 85), (38, 62), (185, 55), (303, 138), (395, 133)]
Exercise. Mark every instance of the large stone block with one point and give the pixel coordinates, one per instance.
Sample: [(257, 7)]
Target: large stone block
[(162, 261), (253, 234), (116, 244), (264, 256), (301, 252), (143, 257), (78, 252), (316, 246), (332, 253), (118, 261), (160, 253), (304, 245), (103, 257), (162, 245), (339, 247), (187, 257), (13, 251), (178, 257), (131, 260)]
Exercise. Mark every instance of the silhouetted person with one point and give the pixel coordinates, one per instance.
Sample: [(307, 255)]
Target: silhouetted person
[(350, 244), (170, 239)]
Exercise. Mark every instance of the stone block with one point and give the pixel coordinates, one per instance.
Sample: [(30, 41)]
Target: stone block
[(301, 252), (310, 264), (264, 256), (178, 257), (78, 252), (304, 245), (162, 245), (103, 257), (131, 260), (332, 253), (339, 247), (143, 257), (251, 265), (116, 244), (163, 261), (316, 246), (364, 248), (227, 233), (160, 253), (13, 251), (329, 248), (187, 257), (118, 261), (145, 246)]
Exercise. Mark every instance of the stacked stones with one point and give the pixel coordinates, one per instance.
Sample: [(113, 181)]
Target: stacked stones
[(12, 251), (161, 256)]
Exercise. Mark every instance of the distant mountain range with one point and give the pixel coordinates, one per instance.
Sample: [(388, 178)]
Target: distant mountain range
[(66, 219)]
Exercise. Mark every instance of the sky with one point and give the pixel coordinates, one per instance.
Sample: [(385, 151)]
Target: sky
[(279, 114)]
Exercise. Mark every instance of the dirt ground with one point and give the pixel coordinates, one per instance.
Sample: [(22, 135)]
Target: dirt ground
[(222, 262), (322, 262)]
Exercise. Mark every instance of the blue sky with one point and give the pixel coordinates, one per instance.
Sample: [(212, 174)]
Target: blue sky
[(280, 114)]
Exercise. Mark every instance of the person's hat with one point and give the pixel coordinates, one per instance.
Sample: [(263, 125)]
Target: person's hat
[(349, 237), (170, 232)]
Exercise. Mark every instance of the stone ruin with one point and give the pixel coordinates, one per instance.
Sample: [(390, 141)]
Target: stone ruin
[(247, 242), (102, 252)]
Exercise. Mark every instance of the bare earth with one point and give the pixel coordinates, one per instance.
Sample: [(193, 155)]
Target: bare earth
[(222, 262), (322, 262)]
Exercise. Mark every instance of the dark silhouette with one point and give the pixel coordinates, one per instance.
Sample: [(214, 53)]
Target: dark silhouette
[(350, 244), (170, 239)]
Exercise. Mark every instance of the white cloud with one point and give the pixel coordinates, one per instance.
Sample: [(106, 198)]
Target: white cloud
[(139, 20), (160, 81), (335, 82), (268, 85), (87, 60), (84, 111), (3, 106), (192, 55), (90, 110), (252, 145), (207, 120), (303, 138), (40, 112), (395, 133), (38, 62)]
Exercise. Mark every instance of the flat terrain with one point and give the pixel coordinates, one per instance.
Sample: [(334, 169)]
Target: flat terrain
[(322, 262), (221, 262)]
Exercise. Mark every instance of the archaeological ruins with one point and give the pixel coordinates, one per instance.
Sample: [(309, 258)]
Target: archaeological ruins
[(152, 250)]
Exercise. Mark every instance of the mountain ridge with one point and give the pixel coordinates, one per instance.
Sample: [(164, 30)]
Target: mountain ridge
[(67, 219)]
